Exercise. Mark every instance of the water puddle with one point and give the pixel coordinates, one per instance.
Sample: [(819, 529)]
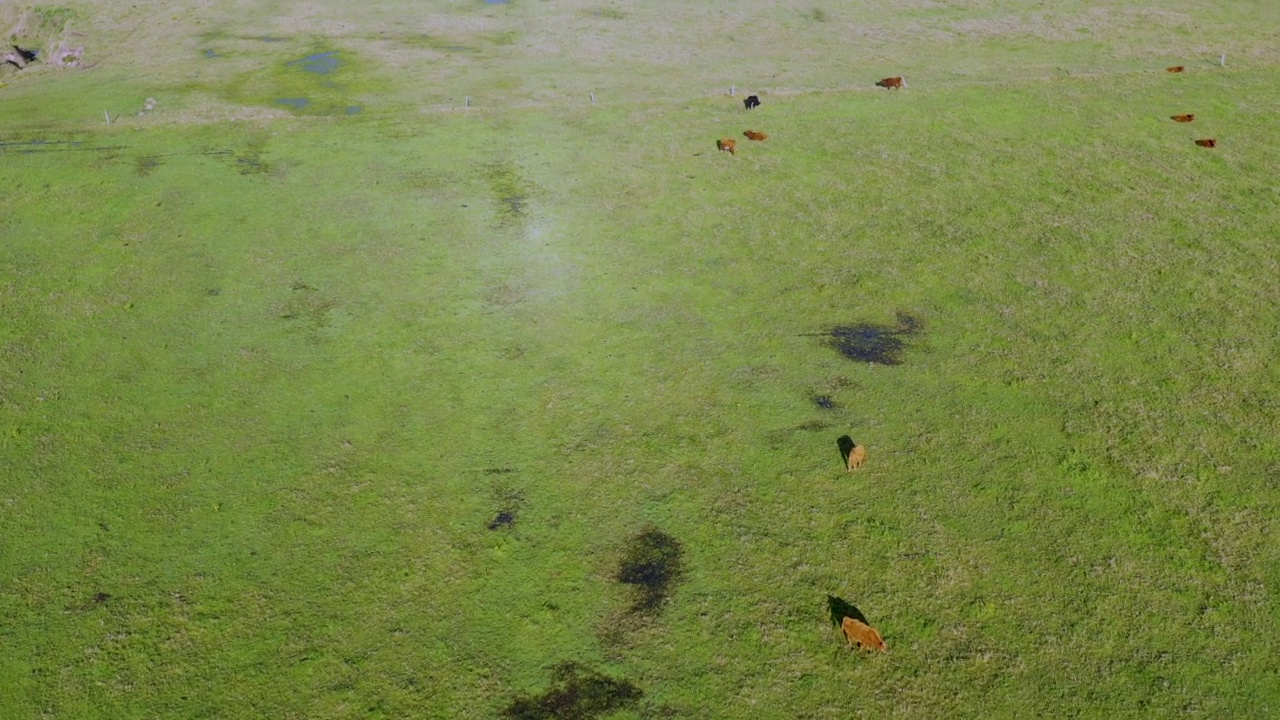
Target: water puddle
[(322, 63), (295, 103), (354, 109)]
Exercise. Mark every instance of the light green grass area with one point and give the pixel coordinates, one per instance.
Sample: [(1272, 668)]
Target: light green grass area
[(269, 371)]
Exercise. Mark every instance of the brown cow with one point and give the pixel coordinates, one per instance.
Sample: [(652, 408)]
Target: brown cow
[(1176, 68), (728, 145), (862, 635), (1188, 117), (857, 456), (1207, 142), (753, 135), (892, 82)]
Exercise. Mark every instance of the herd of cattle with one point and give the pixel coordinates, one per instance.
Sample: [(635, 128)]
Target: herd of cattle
[(897, 82), (855, 631), (1190, 117), (752, 102)]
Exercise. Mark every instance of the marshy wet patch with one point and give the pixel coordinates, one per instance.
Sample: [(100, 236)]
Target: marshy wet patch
[(575, 691), (872, 342), (510, 191), (147, 164), (311, 80), (653, 562), (321, 63)]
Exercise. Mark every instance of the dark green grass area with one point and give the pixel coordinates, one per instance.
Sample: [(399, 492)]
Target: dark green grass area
[(265, 385)]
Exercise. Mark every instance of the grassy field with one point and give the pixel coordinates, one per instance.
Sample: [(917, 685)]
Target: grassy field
[(361, 406)]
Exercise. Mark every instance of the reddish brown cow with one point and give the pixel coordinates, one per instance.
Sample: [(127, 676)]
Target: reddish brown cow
[(728, 145), (862, 635), (1188, 117), (1207, 142), (892, 82), (1176, 68), (753, 135), (857, 456)]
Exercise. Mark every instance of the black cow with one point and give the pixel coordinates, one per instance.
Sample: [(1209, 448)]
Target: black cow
[(752, 102)]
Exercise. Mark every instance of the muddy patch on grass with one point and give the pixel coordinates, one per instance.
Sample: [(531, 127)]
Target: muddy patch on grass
[(653, 562), (508, 499), (872, 342), (576, 692), (504, 518)]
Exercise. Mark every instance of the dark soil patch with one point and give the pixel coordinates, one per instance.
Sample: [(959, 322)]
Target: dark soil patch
[(505, 518), (576, 692), (824, 401), (653, 562)]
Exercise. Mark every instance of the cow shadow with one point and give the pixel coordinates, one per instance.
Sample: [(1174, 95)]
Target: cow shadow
[(846, 444), (841, 609)]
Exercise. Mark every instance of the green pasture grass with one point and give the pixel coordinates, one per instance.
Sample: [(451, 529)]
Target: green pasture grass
[(267, 376)]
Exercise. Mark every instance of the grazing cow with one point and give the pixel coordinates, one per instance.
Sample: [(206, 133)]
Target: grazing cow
[(1188, 117), (753, 135), (752, 102), (1207, 142), (861, 634), (727, 145), (26, 55), (1176, 68), (892, 82), (857, 456)]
